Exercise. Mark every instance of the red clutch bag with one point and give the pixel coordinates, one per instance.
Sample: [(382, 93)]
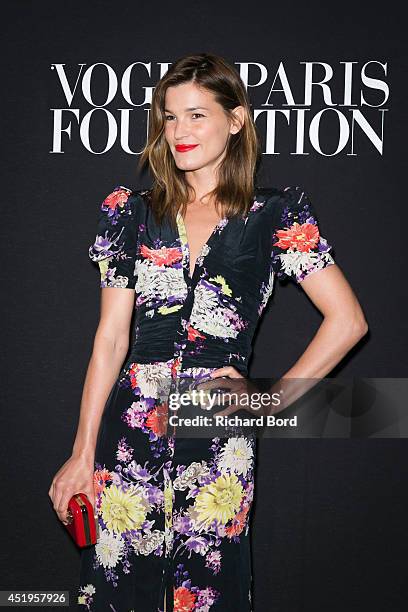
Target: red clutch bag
[(82, 524)]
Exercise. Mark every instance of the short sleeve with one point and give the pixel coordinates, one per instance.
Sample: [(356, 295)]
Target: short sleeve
[(115, 244), (298, 247)]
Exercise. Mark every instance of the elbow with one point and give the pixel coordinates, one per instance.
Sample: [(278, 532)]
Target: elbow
[(360, 325), (358, 328), (350, 329), (364, 328)]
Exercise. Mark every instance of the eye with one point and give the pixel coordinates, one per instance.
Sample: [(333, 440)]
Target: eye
[(169, 117)]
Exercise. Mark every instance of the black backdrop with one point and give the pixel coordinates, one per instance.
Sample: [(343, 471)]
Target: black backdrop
[(329, 529)]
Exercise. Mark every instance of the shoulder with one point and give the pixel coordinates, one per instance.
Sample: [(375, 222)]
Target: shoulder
[(265, 194), (122, 203), (286, 204), (118, 222), (120, 195), (281, 195)]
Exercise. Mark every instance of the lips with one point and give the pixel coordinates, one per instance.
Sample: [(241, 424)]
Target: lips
[(183, 148)]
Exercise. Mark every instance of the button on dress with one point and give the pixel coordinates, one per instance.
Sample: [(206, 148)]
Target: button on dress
[(174, 512)]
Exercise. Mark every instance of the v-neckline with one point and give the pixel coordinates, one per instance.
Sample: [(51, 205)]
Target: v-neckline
[(186, 247)]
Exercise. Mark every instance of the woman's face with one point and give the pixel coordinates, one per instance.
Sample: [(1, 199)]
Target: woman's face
[(193, 117)]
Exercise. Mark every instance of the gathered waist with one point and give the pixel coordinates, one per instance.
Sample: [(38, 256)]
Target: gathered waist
[(210, 361)]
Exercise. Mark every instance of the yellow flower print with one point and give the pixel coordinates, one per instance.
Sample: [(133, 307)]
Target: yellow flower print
[(219, 500), (123, 510), (104, 267), (169, 309), (224, 285), (168, 504), (168, 498)]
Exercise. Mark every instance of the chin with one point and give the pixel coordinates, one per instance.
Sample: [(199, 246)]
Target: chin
[(188, 167)]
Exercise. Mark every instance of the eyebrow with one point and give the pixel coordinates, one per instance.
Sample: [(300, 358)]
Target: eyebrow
[(189, 109)]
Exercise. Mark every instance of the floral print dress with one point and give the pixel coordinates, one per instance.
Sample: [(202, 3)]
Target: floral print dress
[(174, 513)]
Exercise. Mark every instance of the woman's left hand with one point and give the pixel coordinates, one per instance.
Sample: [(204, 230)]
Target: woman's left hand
[(236, 383)]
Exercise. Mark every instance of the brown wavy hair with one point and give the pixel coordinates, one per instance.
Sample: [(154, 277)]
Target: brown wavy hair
[(236, 172)]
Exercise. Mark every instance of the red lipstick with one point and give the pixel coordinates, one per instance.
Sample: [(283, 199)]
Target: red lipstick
[(182, 147)]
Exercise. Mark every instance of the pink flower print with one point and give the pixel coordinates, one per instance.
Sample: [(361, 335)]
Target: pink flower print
[(118, 197)]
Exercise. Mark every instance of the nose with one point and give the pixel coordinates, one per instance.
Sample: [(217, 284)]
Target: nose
[(180, 130)]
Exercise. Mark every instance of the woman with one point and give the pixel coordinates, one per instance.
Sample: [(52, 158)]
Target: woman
[(199, 252)]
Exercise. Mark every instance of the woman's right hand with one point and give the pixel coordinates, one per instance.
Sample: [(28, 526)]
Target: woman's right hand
[(76, 475)]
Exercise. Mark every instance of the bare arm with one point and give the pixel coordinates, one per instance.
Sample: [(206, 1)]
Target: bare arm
[(109, 350), (342, 327)]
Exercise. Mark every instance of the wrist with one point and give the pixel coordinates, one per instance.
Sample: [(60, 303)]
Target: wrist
[(84, 453)]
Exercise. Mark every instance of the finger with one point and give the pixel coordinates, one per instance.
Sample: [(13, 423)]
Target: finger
[(224, 371), (236, 374), (51, 491), (63, 508), (62, 497), (57, 499), (229, 371), (211, 384)]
